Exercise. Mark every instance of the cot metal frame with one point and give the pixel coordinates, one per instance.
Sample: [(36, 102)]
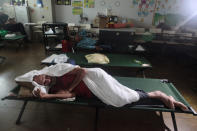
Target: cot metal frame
[(98, 105)]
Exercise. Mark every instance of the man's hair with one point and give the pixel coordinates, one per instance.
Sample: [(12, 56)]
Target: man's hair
[(34, 77)]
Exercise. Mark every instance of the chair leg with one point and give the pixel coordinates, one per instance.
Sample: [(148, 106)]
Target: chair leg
[(174, 121), (21, 113)]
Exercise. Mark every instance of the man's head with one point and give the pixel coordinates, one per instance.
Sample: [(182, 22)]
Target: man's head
[(43, 80)]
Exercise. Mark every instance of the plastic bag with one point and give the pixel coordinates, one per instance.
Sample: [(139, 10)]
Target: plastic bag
[(3, 33)]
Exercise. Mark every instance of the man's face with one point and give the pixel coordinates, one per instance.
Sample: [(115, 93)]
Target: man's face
[(43, 80)]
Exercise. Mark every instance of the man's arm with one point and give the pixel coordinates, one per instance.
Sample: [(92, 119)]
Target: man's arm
[(60, 94), (169, 101), (80, 73)]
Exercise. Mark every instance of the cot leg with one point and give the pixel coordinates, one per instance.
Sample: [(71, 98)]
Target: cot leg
[(161, 115), (166, 128), (141, 71), (143, 74), (174, 121), (21, 113), (96, 119)]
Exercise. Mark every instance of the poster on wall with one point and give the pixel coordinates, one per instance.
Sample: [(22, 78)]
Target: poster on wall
[(144, 6), (89, 3), (67, 2), (17, 2), (77, 11), (77, 3), (63, 2), (39, 3), (58, 2)]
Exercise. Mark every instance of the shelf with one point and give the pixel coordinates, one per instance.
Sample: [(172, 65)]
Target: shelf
[(55, 24), (61, 34)]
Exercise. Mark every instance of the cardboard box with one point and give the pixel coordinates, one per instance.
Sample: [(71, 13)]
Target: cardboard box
[(103, 21)]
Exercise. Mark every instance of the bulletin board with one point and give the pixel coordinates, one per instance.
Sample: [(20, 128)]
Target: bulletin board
[(89, 3)]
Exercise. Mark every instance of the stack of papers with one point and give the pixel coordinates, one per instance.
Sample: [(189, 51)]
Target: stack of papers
[(59, 46)]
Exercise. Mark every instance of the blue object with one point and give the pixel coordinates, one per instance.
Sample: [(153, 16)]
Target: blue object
[(39, 3), (71, 61), (86, 43)]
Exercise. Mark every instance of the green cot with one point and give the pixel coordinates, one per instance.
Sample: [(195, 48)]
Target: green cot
[(117, 61), (145, 84)]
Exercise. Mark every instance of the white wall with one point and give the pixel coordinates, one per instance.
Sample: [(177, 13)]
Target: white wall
[(126, 9), (9, 10), (41, 14), (3, 1), (64, 13)]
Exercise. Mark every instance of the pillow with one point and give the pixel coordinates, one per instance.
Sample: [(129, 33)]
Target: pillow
[(25, 84), (97, 58), (25, 92), (26, 89)]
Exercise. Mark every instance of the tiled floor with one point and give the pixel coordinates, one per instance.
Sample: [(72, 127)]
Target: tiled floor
[(45, 116)]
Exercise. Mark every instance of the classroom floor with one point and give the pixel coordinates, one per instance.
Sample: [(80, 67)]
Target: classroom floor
[(44, 116)]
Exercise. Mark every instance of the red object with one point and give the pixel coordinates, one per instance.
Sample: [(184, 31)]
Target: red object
[(125, 25), (66, 46), (110, 25), (65, 81), (77, 38)]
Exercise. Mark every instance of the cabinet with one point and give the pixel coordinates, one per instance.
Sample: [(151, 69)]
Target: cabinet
[(53, 34), (120, 40)]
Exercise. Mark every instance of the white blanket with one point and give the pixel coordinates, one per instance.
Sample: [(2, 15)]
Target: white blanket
[(61, 58), (101, 84)]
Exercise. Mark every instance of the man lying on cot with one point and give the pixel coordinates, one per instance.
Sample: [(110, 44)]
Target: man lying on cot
[(66, 81), (10, 24)]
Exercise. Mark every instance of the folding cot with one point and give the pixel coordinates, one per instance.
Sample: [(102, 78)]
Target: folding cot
[(140, 83), (123, 61), (19, 39)]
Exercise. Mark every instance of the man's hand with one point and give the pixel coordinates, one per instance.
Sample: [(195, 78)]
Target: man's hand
[(39, 94), (169, 101)]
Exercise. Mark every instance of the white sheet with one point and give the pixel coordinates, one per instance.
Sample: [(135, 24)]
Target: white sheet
[(108, 89), (61, 58), (101, 84)]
